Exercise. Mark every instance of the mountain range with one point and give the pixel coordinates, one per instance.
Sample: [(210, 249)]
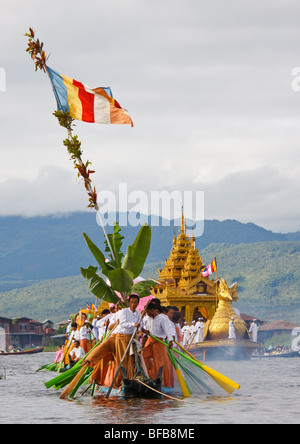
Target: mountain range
[(40, 260), (48, 247)]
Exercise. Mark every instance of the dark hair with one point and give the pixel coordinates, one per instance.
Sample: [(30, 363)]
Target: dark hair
[(176, 316), (106, 311), (74, 324), (155, 301), (151, 306), (164, 309), (134, 296)]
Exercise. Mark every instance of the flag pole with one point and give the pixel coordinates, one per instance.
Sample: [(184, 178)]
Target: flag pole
[(216, 280), (35, 49)]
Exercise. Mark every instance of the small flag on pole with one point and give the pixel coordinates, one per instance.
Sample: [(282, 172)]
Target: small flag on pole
[(86, 104), (210, 269)]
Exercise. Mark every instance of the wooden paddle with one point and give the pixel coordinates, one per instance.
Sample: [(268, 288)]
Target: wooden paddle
[(228, 388), (126, 351), (227, 384), (182, 383), (68, 390), (211, 372), (74, 382)]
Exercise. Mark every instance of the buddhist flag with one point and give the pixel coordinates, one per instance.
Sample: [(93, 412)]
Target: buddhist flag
[(86, 104), (210, 269)]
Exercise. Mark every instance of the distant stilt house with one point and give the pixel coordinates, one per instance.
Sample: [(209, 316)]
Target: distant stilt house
[(26, 332), (48, 331), (275, 328)]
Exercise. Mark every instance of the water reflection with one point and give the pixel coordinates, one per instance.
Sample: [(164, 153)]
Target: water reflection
[(268, 394)]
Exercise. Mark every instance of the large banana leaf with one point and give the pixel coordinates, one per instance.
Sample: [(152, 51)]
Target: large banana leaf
[(98, 255), (98, 286), (121, 280), (115, 240), (137, 253), (143, 288)]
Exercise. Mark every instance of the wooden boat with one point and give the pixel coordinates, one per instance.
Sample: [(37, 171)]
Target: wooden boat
[(292, 354), (22, 352), (141, 386)]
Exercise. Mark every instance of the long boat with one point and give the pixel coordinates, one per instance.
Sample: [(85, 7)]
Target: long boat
[(22, 352), (292, 354)]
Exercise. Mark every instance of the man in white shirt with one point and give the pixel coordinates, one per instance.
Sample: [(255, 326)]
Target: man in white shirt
[(154, 353), (232, 334), (103, 323), (95, 327), (76, 354), (116, 345), (254, 330), (199, 331), (186, 333), (192, 332), (86, 336)]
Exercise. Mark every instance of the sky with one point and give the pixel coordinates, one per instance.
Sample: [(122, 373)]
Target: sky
[(211, 87)]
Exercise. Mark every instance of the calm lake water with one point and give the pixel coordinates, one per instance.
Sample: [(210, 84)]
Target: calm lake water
[(269, 394)]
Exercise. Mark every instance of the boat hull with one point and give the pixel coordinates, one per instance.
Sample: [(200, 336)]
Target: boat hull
[(294, 354), (23, 352)]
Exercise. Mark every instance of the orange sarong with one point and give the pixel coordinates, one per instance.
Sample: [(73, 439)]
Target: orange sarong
[(155, 356), (86, 345), (111, 350)]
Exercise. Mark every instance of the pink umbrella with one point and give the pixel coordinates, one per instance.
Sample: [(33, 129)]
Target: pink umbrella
[(143, 301)]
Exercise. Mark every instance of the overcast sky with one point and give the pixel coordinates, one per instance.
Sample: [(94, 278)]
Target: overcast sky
[(208, 85)]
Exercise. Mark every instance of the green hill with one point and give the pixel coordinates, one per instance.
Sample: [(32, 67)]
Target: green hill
[(51, 247), (268, 275)]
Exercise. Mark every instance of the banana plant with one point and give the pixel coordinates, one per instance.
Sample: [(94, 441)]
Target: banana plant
[(121, 270)]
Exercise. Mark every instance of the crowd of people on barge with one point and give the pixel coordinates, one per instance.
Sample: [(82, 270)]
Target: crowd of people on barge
[(116, 326)]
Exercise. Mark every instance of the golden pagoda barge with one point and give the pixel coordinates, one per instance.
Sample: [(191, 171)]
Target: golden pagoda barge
[(181, 284)]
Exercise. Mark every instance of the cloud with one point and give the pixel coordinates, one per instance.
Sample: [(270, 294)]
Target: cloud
[(207, 85)]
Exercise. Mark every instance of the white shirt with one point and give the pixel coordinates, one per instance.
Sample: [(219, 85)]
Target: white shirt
[(85, 333), (100, 325), (74, 335), (231, 330), (254, 330), (127, 319), (172, 328), (147, 321), (78, 352), (160, 327)]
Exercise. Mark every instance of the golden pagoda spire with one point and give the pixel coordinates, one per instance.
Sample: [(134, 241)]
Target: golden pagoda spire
[(182, 228)]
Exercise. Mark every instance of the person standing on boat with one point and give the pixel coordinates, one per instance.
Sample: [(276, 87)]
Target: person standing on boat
[(186, 333), (193, 332), (76, 354), (113, 348), (102, 323), (154, 353), (199, 331), (95, 326), (85, 336), (232, 334), (179, 334), (254, 330)]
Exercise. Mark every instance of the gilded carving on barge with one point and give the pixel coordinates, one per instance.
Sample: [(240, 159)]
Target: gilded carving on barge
[(218, 328)]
